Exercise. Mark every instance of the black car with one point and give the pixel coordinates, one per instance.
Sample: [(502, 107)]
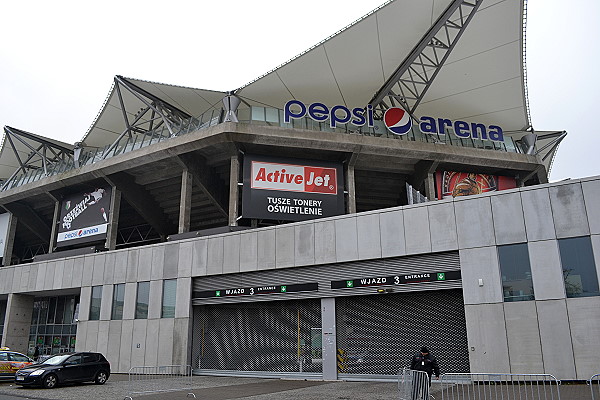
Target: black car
[(65, 368)]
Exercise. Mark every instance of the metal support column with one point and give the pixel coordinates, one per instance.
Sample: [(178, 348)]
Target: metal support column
[(113, 219), (430, 186), (329, 339), (55, 223), (185, 201), (10, 240), (233, 190), (351, 182)]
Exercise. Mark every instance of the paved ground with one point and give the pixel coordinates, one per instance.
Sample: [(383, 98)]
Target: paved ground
[(224, 388)]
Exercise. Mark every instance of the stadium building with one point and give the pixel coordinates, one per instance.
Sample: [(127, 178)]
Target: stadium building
[(381, 191)]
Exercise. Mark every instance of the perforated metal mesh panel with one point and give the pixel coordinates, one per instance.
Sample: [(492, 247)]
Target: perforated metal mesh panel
[(379, 334), (278, 336)]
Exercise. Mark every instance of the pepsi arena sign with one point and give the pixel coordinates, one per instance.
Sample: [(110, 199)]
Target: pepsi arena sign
[(396, 119)]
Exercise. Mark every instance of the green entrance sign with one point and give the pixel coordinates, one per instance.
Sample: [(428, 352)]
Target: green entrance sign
[(441, 276), (349, 283)]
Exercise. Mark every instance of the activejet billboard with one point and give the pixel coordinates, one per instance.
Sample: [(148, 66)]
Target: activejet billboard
[(291, 189), (84, 217)]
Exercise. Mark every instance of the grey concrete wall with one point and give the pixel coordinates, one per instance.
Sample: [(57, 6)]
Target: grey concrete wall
[(17, 322), (549, 334)]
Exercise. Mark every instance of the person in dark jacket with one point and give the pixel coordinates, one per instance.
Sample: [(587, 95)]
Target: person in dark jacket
[(426, 362)]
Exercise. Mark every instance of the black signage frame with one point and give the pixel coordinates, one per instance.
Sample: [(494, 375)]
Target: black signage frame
[(285, 205), (256, 290), (395, 280), (83, 214)]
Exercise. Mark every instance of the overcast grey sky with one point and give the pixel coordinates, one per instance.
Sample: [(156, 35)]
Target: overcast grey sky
[(58, 59)]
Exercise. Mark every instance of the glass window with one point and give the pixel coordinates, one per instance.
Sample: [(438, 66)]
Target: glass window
[(142, 300), (95, 303), (18, 357), (579, 268), (516, 272), (118, 299), (168, 298)]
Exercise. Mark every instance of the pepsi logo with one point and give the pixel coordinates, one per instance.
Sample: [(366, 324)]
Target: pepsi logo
[(397, 120)]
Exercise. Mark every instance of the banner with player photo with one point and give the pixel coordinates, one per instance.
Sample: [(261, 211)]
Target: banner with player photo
[(454, 184), (84, 217)]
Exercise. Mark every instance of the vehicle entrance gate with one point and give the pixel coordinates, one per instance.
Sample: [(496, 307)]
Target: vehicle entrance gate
[(276, 336), (379, 334)]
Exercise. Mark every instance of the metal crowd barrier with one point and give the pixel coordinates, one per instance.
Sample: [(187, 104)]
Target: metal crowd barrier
[(596, 390), (413, 385), (482, 386), (164, 378)]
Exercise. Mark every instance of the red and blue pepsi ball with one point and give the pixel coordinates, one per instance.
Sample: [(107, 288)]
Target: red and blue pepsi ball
[(397, 120)]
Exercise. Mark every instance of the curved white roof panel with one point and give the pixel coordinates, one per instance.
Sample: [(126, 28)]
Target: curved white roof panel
[(482, 79), (110, 122)]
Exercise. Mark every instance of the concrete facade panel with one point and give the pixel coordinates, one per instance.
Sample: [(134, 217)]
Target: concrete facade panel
[(85, 297), (248, 251), (33, 277), (165, 338), (595, 239), (158, 262), (68, 273), (25, 272), (9, 274), (442, 227), (284, 246), (88, 270), (91, 337), (144, 265), (538, 214), (102, 345), (98, 274), (114, 341), (481, 275), (546, 270), (591, 195), (509, 223), (129, 302), (199, 257), (346, 239), (524, 345), (324, 242), (215, 256), (80, 344), (16, 281), (121, 263), (155, 304), (181, 342), (185, 259), (474, 222), (568, 210), (183, 296), (49, 280), (556, 339), (231, 253), (152, 342), (304, 244), (39, 281), (131, 261), (488, 348), (139, 341), (106, 303), (171, 260), (78, 264), (584, 321), (126, 347), (266, 248), (109, 269), (369, 238), (416, 230)]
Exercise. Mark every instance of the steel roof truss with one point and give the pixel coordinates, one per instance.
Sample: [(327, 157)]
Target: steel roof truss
[(37, 155), (416, 73)]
